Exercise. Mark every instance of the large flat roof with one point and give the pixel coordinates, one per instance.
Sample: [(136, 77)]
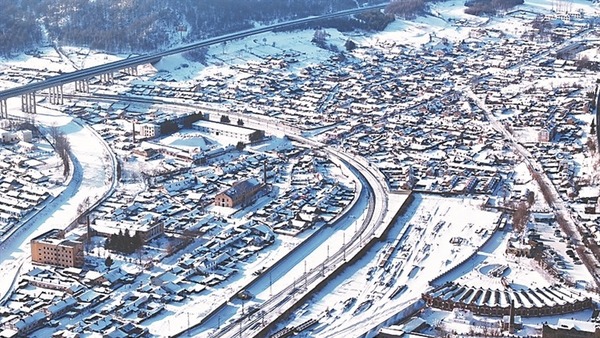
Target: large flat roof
[(224, 127), (55, 237)]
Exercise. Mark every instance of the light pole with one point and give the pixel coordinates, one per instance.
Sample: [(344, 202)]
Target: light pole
[(188, 323), (305, 277), (344, 244)]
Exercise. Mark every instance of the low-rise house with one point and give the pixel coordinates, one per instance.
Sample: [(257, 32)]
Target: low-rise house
[(571, 328), (8, 137), (29, 323), (59, 308)]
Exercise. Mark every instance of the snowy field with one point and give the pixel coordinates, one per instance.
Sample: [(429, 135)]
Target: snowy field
[(434, 235), (416, 241)]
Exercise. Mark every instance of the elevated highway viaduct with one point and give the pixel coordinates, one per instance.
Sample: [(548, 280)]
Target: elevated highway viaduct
[(81, 77)]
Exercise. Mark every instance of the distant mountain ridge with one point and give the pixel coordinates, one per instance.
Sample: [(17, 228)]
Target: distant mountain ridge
[(142, 25)]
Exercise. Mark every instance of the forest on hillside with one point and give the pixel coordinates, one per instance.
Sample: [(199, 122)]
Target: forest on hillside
[(142, 25)]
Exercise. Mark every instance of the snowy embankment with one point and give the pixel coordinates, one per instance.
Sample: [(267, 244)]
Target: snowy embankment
[(93, 172)]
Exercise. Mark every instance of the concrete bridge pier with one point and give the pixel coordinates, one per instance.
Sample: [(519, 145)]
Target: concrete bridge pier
[(133, 71), (106, 78), (3, 109), (28, 104), (55, 95), (82, 86)]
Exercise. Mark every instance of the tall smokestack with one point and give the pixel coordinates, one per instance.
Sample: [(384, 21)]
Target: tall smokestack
[(133, 124), (511, 324), (88, 228), (265, 172)]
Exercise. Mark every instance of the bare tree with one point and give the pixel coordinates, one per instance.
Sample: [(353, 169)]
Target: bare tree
[(520, 217), (591, 145), (530, 198), (61, 146), (82, 208)]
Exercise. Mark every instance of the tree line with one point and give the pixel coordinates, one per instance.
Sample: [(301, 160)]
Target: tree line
[(18, 28), (489, 7), (124, 242), (406, 8), (374, 20), (61, 145)]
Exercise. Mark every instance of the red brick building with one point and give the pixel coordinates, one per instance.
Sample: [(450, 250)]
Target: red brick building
[(241, 193)]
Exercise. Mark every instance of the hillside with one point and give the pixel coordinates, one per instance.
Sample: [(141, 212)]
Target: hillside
[(142, 25)]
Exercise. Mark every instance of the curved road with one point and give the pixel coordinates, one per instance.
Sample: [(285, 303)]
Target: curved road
[(90, 179), (269, 310), (377, 211)]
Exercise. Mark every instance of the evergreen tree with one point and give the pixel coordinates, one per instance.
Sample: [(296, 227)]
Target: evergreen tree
[(350, 45), (597, 114), (108, 262), (191, 119), (124, 242), (128, 246), (168, 128), (119, 241), (138, 241)]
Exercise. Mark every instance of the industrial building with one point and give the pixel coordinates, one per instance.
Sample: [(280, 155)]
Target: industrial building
[(569, 328), (53, 249), (243, 134), (241, 193)]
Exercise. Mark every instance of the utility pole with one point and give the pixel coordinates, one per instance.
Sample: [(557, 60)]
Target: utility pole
[(305, 277), (188, 323), (344, 244)]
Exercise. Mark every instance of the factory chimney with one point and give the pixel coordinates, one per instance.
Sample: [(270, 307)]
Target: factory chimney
[(511, 324), (265, 172), (133, 124)]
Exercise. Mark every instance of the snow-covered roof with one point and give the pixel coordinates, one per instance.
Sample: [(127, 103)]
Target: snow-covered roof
[(578, 325), (224, 127)]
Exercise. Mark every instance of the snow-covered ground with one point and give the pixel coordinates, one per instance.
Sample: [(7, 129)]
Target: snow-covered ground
[(91, 178), (418, 241)]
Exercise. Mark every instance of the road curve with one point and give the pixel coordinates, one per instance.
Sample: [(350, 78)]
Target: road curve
[(87, 181), (270, 310)]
